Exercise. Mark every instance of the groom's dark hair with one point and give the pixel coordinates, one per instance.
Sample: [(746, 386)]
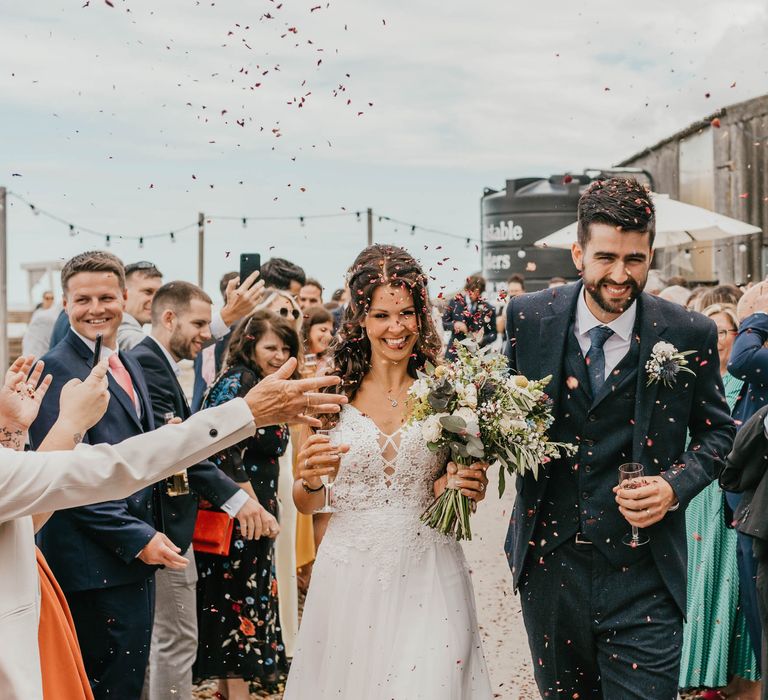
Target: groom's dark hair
[(622, 202)]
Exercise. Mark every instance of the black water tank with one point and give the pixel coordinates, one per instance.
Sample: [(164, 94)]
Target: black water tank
[(513, 219)]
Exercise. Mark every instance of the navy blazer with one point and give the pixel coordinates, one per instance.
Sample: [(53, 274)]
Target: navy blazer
[(205, 479), (749, 361), (484, 318), (96, 546), (538, 325)]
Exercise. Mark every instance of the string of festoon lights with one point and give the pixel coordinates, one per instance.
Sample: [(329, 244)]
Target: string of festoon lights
[(73, 229)]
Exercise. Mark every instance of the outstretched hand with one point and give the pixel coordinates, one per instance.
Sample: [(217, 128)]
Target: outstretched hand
[(279, 399), (22, 393)]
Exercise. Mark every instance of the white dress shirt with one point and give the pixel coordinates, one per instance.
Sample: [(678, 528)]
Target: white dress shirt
[(618, 344), (235, 502)]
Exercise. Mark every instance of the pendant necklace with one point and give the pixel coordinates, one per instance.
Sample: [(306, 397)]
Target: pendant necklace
[(395, 402)]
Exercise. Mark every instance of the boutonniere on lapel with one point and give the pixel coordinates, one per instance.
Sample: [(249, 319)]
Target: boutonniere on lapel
[(665, 363)]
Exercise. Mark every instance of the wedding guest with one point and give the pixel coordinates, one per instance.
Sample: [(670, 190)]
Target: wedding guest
[(283, 274), (142, 280), (721, 294), (693, 298), (676, 294), (280, 302), (515, 287), (240, 300), (717, 652), (469, 315), (239, 628), (749, 362), (181, 316), (556, 282), (104, 555), (37, 337), (311, 294), (37, 483), (317, 334)]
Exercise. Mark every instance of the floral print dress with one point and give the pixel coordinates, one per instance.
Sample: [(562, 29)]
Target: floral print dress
[(237, 605)]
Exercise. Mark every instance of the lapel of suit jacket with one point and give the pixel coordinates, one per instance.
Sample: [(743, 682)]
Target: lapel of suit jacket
[(553, 335), (153, 345), (652, 327)]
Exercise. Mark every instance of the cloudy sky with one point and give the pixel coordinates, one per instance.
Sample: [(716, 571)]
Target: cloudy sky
[(130, 117)]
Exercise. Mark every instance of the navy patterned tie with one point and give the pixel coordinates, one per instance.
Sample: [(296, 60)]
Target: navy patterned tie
[(596, 357)]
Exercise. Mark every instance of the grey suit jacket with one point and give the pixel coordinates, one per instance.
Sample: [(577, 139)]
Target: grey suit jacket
[(32, 482)]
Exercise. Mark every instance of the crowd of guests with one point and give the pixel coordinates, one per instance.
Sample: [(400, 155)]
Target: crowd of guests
[(153, 615)]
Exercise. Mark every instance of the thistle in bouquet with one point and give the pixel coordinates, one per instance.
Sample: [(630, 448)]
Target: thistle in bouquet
[(474, 409)]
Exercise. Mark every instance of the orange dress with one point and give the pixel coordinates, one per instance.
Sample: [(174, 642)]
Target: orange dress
[(61, 662)]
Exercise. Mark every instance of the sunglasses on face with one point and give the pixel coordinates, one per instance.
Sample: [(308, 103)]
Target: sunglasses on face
[(285, 312)]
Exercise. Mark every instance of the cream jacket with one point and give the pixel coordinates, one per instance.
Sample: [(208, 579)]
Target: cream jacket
[(32, 482)]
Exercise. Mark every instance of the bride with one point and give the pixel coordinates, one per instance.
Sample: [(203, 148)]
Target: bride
[(390, 613)]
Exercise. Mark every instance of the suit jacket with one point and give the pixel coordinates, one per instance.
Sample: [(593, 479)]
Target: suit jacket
[(745, 472), (483, 318), (96, 546), (32, 482), (538, 325), (205, 479), (749, 362)]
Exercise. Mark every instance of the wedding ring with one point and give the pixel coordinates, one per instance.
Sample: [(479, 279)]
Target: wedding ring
[(306, 396), (482, 488)]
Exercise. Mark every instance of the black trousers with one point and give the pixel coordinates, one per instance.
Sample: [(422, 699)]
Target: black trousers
[(761, 583), (114, 628), (598, 632)]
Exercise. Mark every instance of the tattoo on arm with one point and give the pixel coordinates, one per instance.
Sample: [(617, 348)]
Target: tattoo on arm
[(77, 438), (12, 439)]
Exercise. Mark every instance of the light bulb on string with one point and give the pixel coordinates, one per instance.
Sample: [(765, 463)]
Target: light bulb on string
[(413, 230), (467, 243), (245, 222), (687, 254), (141, 242), (34, 210), (108, 241), (301, 221), (173, 237), (72, 231), (357, 214)]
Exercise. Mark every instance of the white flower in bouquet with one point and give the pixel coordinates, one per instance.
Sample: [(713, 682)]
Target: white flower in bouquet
[(420, 389), (467, 415), (431, 429), (470, 396)]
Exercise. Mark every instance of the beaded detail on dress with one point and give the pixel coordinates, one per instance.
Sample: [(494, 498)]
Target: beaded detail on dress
[(384, 484)]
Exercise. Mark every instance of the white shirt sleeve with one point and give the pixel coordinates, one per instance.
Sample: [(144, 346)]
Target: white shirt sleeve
[(219, 329), (233, 505)]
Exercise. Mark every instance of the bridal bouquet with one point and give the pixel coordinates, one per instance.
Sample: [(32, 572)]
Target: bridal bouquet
[(479, 412)]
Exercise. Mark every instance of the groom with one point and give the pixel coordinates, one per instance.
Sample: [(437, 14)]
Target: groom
[(604, 619)]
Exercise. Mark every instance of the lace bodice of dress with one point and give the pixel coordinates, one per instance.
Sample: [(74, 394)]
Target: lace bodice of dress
[(384, 484), (383, 471)]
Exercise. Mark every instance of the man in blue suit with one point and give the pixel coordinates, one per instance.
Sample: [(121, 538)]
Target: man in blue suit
[(604, 618), (181, 318), (105, 555), (469, 315)]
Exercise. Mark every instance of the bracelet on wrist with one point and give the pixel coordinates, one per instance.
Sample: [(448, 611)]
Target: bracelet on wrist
[(308, 489)]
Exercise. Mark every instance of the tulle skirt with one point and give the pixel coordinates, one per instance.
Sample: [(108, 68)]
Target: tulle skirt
[(393, 621)]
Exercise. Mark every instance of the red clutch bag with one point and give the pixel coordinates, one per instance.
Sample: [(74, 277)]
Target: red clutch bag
[(213, 532)]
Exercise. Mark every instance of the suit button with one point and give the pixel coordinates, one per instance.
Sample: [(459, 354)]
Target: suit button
[(592, 418), (588, 469), (213, 432), (588, 442), (585, 494)]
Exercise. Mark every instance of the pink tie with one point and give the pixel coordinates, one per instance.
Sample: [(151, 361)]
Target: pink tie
[(121, 376)]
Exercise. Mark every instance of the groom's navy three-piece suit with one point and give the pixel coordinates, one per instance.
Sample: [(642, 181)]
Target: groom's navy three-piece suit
[(605, 619)]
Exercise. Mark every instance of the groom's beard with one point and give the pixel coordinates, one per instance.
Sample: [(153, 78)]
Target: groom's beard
[(595, 290)]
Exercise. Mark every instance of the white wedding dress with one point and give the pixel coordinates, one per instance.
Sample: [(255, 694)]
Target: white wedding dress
[(390, 613)]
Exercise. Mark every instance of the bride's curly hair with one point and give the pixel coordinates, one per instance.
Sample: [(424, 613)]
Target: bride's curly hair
[(376, 266)]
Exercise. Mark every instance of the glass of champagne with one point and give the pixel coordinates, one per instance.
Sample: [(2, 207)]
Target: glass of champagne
[(335, 437), (310, 364), (178, 483), (630, 478)]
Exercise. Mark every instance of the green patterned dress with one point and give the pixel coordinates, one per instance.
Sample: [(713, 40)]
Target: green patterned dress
[(716, 642)]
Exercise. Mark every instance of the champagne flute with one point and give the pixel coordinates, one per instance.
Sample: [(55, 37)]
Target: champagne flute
[(629, 478), (335, 437), (177, 484), (310, 363)]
